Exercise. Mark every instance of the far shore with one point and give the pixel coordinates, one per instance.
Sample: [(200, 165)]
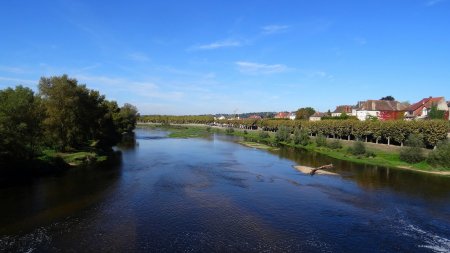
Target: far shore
[(382, 150)]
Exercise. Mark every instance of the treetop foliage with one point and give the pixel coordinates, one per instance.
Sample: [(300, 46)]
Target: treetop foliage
[(63, 115)]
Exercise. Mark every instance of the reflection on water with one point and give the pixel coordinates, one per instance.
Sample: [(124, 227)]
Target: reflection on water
[(371, 177), (209, 195)]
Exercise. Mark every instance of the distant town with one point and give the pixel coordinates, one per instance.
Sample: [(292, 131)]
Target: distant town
[(386, 108)]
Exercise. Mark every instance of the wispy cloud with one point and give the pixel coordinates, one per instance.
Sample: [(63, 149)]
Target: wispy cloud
[(433, 2), (272, 29), (255, 68), (12, 70), (218, 44), (17, 81), (139, 57), (137, 88), (360, 40)]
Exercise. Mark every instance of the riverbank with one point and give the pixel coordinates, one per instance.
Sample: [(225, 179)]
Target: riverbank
[(381, 155)]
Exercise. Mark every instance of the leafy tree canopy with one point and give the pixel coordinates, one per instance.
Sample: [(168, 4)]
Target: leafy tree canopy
[(304, 113), (389, 98)]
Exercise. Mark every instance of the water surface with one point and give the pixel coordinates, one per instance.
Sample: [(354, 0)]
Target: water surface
[(212, 194)]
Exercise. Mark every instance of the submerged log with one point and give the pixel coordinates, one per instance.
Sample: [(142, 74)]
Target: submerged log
[(324, 167)]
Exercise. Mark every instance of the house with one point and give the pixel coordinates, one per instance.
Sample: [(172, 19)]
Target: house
[(220, 117), (254, 117), (292, 116), (347, 109), (282, 115), (421, 109), (317, 116), (380, 109)]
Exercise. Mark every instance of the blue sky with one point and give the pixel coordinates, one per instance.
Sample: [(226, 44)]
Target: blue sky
[(198, 57)]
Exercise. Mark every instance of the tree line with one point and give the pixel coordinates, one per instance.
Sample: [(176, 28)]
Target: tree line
[(389, 132), (63, 116)]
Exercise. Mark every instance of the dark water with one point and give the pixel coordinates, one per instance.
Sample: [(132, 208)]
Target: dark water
[(206, 195)]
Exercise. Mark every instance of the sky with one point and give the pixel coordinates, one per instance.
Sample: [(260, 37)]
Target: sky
[(207, 57)]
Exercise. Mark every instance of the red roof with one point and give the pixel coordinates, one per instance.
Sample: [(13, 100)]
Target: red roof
[(426, 102), (319, 114), (382, 105), (282, 115), (343, 109)]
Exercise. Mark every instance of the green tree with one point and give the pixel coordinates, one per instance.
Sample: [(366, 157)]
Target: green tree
[(389, 98), (283, 134), (301, 137), (304, 113), (61, 102), (21, 117), (413, 153), (435, 113), (126, 118)]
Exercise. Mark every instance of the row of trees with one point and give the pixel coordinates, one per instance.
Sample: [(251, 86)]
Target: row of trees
[(167, 119), (390, 132), (63, 115)]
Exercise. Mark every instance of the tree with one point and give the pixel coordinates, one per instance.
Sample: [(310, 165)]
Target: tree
[(413, 153), (304, 113), (21, 117), (78, 117), (283, 134), (126, 118), (435, 113), (60, 100), (389, 98)]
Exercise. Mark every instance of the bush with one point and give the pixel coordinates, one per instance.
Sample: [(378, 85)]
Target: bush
[(263, 134), (208, 129), (321, 140), (335, 144), (358, 148), (440, 157), (301, 137), (245, 132), (413, 153), (283, 134), (229, 130)]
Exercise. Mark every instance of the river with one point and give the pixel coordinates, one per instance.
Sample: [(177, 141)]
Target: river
[(214, 195)]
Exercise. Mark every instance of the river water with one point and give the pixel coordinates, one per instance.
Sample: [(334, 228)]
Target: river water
[(214, 195)]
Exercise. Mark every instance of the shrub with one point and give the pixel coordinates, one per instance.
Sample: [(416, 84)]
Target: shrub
[(321, 140), (283, 134), (412, 153), (370, 154), (441, 155), (229, 130), (208, 129), (335, 144), (301, 137), (245, 132), (263, 134), (358, 148)]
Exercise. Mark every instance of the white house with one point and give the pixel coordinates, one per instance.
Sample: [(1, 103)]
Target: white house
[(292, 115)]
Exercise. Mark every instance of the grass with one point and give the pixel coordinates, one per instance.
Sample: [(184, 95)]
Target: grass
[(73, 158), (257, 145)]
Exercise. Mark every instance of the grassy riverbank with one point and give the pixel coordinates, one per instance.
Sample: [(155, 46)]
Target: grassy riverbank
[(379, 155), (76, 158)]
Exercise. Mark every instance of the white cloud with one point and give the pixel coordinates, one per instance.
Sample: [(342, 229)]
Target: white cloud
[(271, 29), (360, 40), (218, 44), (12, 70), (260, 68), (139, 57), (433, 2), (17, 81), (137, 88)]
